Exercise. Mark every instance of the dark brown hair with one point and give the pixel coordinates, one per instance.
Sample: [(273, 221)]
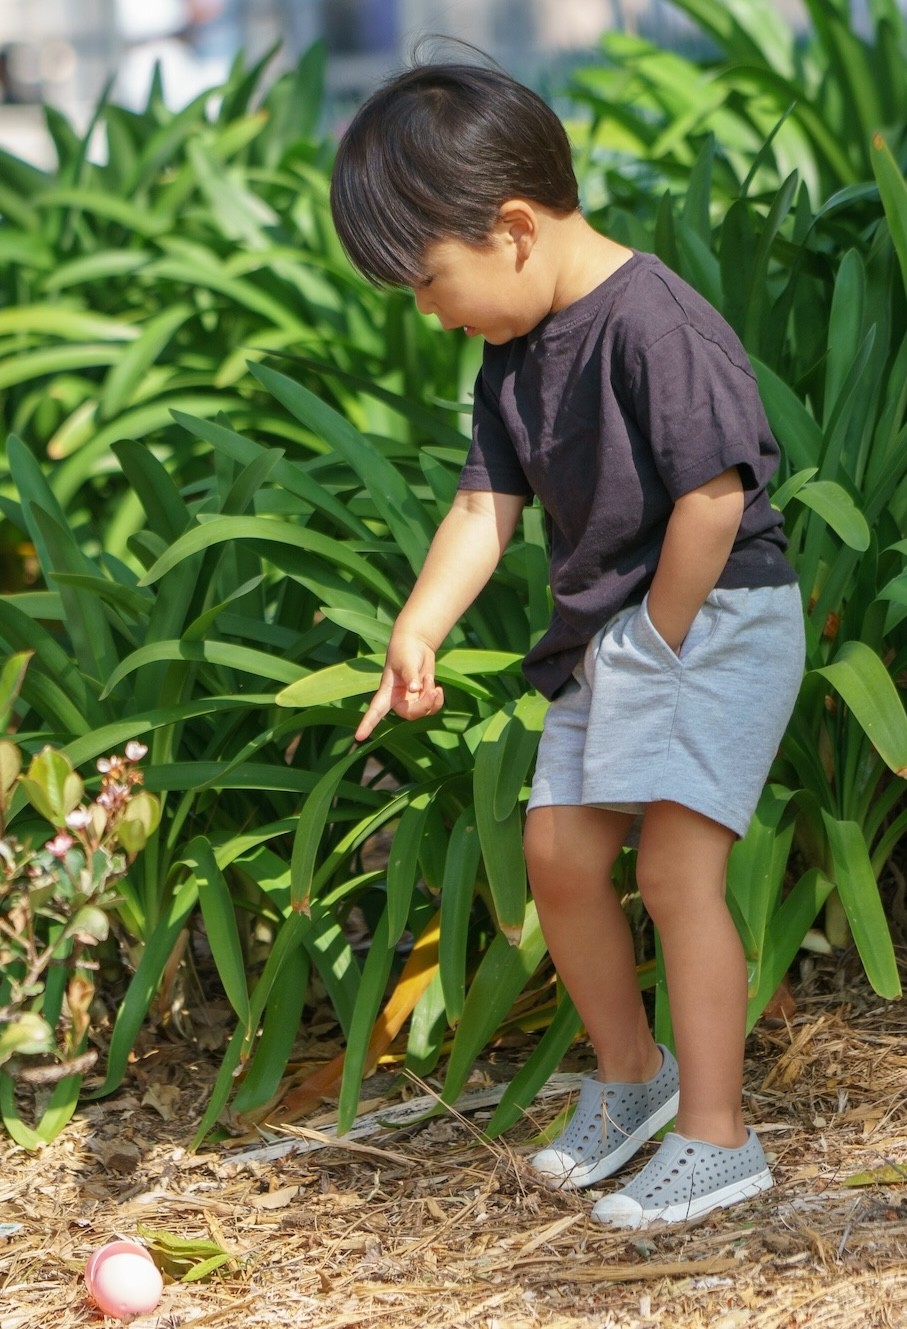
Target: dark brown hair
[(432, 155)]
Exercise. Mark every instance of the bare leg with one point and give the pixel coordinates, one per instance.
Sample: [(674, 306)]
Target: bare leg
[(570, 852), (682, 877)]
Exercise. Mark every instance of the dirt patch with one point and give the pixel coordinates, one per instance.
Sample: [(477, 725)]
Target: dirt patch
[(430, 1225)]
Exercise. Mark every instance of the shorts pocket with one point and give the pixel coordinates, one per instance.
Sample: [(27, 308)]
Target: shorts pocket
[(701, 631)]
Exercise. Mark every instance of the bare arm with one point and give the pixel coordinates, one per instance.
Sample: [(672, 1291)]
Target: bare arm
[(464, 553), (700, 535)]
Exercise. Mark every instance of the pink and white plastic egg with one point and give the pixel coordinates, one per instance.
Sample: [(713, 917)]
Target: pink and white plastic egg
[(123, 1280)]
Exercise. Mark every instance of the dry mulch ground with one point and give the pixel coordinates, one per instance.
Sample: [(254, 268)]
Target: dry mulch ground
[(430, 1226)]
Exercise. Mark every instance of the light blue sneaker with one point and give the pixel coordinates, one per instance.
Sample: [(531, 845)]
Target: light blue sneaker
[(686, 1179), (611, 1123)]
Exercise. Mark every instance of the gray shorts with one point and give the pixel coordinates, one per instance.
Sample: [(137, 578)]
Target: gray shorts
[(639, 724)]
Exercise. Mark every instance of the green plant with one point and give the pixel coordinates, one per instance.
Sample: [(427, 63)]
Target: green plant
[(816, 292), (772, 98), (56, 902), (143, 285), (233, 612)]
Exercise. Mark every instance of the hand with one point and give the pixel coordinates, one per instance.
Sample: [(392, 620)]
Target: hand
[(407, 685)]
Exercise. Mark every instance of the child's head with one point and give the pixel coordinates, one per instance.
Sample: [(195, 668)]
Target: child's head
[(432, 155)]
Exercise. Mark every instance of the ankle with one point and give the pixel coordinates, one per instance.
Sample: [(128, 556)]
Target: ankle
[(637, 1068), (725, 1132)]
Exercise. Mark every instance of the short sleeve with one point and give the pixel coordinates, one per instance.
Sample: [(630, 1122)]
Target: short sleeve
[(697, 402), (491, 463)]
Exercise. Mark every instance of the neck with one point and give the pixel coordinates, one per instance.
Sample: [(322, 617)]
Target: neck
[(586, 258)]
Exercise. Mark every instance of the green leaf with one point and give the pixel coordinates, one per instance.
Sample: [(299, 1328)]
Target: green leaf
[(352, 678), (10, 767), (219, 530), (372, 988), (502, 759), (796, 430), (310, 829), (220, 926), (12, 676), (241, 658), (393, 497), (457, 892), (859, 894), (57, 1111), (867, 688), (288, 474), (90, 924), (498, 981), (123, 380), (54, 361), (101, 203), (539, 1067), (84, 615), (288, 939), (756, 873), (784, 936), (152, 966), (26, 1035), (279, 1032), (52, 786), (403, 863), (66, 322), (893, 189), (835, 506), (167, 514), (889, 1174)]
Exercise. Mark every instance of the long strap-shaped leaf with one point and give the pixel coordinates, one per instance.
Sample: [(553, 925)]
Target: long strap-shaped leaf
[(502, 761), (859, 893), (406, 517), (893, 189), (289, 474), (221, 931), (869, 691), (457, 895), (218, 530), (498, 981), (418, 972), (539, 1067)]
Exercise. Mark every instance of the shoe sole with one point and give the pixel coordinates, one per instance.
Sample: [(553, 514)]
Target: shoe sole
[(681, 1213), (587, 1174)]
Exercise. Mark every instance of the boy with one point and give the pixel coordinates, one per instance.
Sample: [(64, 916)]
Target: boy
[(615, 394)]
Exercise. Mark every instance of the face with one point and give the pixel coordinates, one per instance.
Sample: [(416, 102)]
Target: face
[(489, 292)]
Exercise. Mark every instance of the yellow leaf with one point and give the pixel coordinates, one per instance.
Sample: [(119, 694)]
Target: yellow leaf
[(418, 972), (889, 1175)]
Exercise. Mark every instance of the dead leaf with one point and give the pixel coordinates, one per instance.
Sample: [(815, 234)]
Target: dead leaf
[(163, 1098), (275, 1199), (118, 1155)]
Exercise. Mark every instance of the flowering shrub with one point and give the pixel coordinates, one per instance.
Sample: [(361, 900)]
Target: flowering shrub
[(55, 901)]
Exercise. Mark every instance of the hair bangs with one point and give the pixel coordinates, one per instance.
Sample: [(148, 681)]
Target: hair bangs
[(432, 155)]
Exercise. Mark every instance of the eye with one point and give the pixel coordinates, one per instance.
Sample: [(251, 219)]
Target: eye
[(425, 281)]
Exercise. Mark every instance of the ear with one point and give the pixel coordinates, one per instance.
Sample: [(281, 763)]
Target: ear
[(518, 222)]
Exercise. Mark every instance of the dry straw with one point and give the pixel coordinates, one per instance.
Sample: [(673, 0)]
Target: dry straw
[(431, 1225)]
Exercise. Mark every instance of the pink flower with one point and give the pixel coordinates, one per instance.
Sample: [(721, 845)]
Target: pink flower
[(135, 750), (113, 796), (78, 819), (60, 845)]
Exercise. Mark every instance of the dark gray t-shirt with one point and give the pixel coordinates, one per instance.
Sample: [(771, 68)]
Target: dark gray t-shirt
[(610, 410)]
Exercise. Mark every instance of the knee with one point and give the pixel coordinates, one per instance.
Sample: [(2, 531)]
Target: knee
[(658, 887), (541, 856)]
